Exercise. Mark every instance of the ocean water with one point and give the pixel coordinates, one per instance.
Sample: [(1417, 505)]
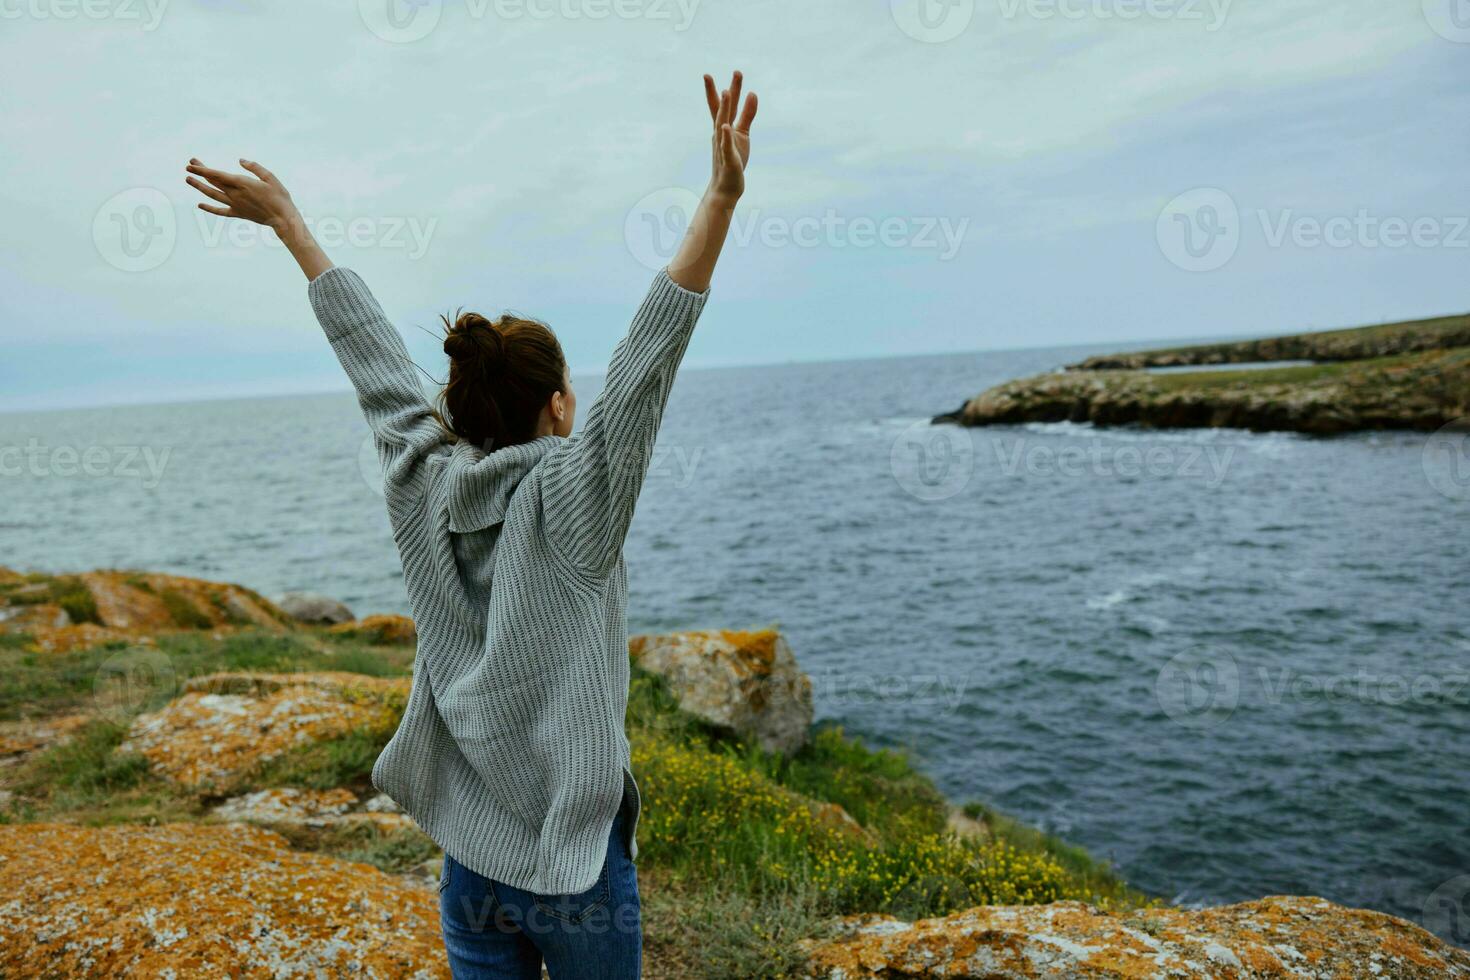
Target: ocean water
[(1234, 664)]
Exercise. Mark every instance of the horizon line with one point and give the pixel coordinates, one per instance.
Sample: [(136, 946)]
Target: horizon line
[(1156, 344)]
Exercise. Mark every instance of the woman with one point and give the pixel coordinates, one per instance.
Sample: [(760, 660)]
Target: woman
[(511, 753)]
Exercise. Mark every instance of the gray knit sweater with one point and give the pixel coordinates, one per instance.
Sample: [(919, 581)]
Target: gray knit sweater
[(512, 753)]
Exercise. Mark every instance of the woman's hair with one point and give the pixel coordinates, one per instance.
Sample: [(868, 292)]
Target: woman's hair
[(501, 374)]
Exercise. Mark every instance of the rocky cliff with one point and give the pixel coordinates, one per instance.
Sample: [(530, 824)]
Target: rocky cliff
[(1424, 392)]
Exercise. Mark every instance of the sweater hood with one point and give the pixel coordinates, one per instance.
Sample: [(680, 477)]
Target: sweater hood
[(481, 484)]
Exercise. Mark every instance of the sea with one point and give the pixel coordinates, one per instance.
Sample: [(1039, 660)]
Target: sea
[(1232, 664)]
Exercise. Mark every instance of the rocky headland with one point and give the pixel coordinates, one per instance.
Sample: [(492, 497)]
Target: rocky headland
[(1413, 375), (184, 791)]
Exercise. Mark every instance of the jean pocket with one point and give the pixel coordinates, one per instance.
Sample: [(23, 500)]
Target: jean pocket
[(444, 873), (575, 908)]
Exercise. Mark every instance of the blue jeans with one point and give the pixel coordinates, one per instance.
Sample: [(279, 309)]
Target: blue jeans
[(495, 932)]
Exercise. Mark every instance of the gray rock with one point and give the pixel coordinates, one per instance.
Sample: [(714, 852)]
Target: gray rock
[(746, 682), (319, 610)]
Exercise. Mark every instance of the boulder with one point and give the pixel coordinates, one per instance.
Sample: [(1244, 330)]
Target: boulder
[(1273, 937), (212, 900), (289, 806), (746, 682), (19, 740), (318, 610), (225, 725), (380, 629)]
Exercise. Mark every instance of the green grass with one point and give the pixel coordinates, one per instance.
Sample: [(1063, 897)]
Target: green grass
[(66, 591), (346, 761), (725, 829), (183, 612), (1302, 374), (395, 852), (711, 931), (880, 789), (36, 684), (87, 781)]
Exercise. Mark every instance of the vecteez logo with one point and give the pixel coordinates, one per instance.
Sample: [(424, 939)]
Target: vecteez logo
[(1450, 19), (1199, 231), (932, 21), (136, 231), (401, 21)]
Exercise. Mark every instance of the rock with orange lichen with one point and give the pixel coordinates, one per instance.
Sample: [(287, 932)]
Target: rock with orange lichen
[(747, 682), (193, 901), (1273, 937), (225, 725), (381, 629), (60, 613), (289, 806), (19, 739)]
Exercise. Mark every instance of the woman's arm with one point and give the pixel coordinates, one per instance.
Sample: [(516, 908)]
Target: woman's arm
[(693, 265), (264, 201), (590, 485), (369, 349)]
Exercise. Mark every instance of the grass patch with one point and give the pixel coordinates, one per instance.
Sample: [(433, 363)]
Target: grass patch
[(66, 591), (85, 780), (879, 788), (140, 583), (395, 852), (1093, 876), (35, 684), (694, 929), (346, 761), (182, 611), (746, 865)]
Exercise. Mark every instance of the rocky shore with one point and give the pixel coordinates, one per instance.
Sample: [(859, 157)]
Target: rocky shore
[(1412, 376), (184, 792)]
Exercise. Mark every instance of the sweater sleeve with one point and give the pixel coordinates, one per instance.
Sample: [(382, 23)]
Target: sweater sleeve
[(377, 363), (590, 484)]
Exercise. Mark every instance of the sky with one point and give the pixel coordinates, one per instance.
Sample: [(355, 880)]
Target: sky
[(926, 175)]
